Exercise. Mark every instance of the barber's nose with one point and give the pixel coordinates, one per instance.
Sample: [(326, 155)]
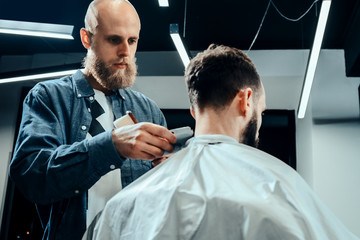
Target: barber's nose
[(123, 49)]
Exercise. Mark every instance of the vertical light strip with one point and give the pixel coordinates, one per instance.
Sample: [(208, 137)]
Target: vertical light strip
[(180, 48), (163, 3), (314, 57), (174, 33)]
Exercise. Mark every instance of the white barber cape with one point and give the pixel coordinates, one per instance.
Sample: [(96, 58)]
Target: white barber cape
[(217, 188)]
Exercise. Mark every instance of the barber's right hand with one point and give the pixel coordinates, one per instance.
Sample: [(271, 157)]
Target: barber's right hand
[(145, 140)]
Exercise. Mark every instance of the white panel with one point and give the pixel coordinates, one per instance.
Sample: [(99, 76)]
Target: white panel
[(167, 92), (282, 92), (336, 170), (304, 147), (282, 63), (333, 94), (281, 71)]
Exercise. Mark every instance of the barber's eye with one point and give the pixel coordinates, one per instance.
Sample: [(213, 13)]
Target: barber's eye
[(114, 40), (132, 41)]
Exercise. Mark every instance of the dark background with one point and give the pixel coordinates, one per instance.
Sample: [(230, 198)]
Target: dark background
[(201, 22)]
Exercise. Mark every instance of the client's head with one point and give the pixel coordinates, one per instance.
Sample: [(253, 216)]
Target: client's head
[(224, 88)]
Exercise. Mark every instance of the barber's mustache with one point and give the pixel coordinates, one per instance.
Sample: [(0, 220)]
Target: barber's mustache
[(124, 60)]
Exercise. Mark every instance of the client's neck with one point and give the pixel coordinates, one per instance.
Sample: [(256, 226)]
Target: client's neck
[(210, 121)]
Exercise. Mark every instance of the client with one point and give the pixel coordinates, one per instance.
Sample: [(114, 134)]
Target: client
[(220, 186)]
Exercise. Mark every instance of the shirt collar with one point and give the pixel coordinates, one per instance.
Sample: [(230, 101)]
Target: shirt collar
[(122, 93), (82, 86), (214, 139)]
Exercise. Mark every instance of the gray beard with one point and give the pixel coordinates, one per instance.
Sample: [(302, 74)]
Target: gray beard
[(103, 74)]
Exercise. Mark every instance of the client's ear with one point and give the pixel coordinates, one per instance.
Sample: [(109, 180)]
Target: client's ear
[(244, 97), (192, 112)]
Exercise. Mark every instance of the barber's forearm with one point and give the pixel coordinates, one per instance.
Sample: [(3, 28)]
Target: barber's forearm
[(51, 174)]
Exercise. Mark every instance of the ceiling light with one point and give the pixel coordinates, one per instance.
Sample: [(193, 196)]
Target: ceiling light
[(36, 29), (38, 76), (314, 57), (163, 3), (174, 33)]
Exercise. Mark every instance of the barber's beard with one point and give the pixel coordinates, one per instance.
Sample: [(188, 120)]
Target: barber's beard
[(249, 137), (106, 77)]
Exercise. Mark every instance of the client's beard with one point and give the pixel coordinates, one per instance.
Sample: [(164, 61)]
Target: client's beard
[(121, 78), (250, 133)]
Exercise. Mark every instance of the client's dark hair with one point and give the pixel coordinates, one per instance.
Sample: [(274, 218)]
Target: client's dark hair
[(216, 75)]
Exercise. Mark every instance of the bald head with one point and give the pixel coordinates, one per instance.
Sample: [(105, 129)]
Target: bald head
[(97, 8), (111, 38)]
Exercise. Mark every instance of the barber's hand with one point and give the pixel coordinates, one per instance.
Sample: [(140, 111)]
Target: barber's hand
[(157, 161), (146, 141)]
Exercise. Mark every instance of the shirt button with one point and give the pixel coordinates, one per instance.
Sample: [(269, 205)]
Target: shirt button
[(77, 191), (89, 109), (91, 98), (79, 95), (112, 166), (83, 127)]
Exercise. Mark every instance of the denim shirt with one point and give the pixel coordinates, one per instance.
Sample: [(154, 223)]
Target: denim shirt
[(54, 164)]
